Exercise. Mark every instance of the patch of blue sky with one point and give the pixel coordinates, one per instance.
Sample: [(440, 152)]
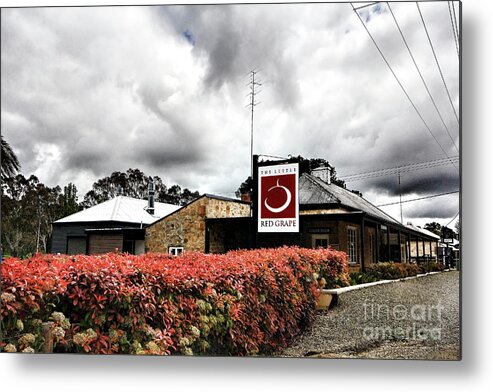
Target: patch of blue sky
[(375, 9), (189, 37)]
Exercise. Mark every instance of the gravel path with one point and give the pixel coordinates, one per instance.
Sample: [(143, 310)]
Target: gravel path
[(413, 319)]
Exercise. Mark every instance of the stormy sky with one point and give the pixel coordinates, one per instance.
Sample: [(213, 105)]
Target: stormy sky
[(88, 91)]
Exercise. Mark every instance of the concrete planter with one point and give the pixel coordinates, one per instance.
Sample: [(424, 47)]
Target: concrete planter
[(324, 301)]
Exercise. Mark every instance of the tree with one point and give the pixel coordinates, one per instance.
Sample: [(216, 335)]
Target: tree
[(28, 210), (10, 164), (245, 188), (447, 233), (68, 200), (134, 183), (457, 227), (187, 196), (434, 227)]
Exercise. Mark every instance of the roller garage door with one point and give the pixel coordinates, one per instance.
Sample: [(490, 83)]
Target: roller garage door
[(101, 243)]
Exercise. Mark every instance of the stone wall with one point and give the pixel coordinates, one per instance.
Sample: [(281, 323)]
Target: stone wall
[(186, 227)]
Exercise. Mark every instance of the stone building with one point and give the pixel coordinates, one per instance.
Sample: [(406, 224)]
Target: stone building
[(185, 229)]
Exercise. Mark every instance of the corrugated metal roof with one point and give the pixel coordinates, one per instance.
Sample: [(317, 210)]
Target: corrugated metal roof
[(121, 209), (225, 198), (311, 192), (315, 191), (423, 231)]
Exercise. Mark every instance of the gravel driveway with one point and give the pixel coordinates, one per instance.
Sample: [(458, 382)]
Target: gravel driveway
[(413, 319)]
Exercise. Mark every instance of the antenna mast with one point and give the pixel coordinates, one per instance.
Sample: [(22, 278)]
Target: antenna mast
[(253, 92)]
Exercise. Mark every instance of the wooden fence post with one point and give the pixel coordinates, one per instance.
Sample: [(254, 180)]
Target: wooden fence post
[(47, 329)]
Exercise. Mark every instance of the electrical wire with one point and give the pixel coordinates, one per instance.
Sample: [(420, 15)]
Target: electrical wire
[(456, 24), (456, 40), (437, 63), (421, 76), (398, 169), (456, 215), (419, 198), (400, 84)]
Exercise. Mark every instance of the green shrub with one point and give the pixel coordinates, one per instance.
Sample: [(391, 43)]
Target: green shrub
[(390, 270), (362, 277), (431, 266)]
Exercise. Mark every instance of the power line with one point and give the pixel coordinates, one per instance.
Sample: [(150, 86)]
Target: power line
[(456, 215), (419, 198), (437, 63), (407, 164), (399, 169), (456, 40), (399, 83), (367, 5), (394, 171), (456, 24), (421, 76), (272, 156)]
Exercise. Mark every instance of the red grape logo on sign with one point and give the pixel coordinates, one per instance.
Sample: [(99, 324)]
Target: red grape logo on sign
[(278, 198)]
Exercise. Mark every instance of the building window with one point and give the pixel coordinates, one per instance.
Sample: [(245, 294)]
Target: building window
[(320, 241), (175, 250), (352, 245)]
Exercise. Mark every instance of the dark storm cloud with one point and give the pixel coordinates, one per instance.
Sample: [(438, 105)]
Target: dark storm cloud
[(238, 39), (221, 44), (422, 182), (433, 210), (171, 152)]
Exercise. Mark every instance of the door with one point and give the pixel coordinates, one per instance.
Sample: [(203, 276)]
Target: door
[(76, 245), (99, 243)]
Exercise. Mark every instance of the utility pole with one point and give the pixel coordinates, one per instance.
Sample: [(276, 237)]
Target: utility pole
[(400, 196), (253, 92)]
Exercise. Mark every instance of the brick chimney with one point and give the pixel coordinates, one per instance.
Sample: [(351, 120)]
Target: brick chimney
[(150, 197), (323, 173), (246, 197)]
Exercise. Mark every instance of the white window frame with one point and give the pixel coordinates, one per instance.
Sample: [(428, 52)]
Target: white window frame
[(316, 237), (352, 245), (176, 250)]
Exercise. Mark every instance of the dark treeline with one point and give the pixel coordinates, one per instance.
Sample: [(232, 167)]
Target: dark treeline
[(133, 183)]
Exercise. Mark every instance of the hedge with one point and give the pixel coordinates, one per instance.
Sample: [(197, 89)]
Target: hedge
[(389, 270), (240, 303)]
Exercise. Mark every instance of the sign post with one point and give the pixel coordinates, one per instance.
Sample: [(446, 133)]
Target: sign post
[(277, 203)]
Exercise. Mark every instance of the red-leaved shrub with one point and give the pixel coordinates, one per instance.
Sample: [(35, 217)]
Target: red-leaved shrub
[(241, 303)]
